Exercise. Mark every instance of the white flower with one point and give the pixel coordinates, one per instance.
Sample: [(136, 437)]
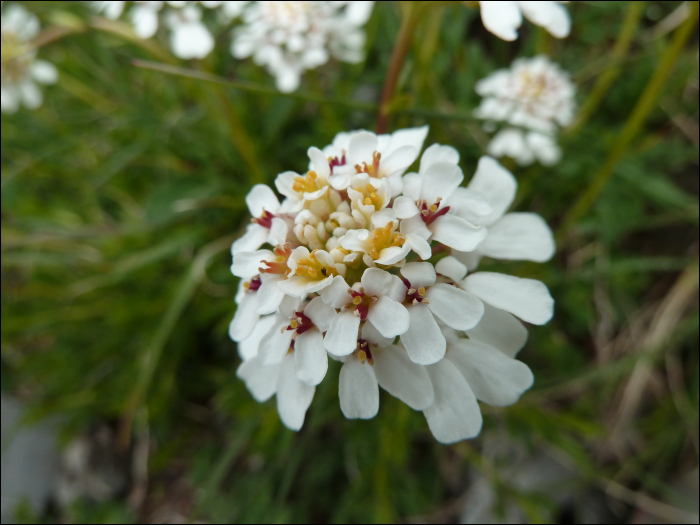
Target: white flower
[(504, 18), (290, 37), (525, 147), (189, 37), (320, 292), (21, 71), (534, 94), (265, 226)]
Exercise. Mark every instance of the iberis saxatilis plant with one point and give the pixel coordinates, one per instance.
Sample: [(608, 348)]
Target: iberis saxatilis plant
[(368, 265)]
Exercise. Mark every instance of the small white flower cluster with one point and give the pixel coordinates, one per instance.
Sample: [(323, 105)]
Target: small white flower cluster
[(535, 95), (337, 283), (21, 71), (504, 18), (189, 36), (290, 37)]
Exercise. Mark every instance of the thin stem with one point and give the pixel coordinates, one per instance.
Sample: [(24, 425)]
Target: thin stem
[(645, 104), (398, 58), (248, 86), (618, 55)]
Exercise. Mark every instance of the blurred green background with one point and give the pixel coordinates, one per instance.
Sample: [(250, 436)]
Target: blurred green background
[(122, 194)]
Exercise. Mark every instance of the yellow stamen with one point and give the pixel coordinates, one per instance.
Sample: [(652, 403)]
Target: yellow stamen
[(294, 324), (362, 355), (421, 291), (357, 300)]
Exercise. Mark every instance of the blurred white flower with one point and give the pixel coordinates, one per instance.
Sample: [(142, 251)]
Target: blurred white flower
[(189, 36), (534, 95), (21, 70), (340, 286), (504, 18), (288, 38)]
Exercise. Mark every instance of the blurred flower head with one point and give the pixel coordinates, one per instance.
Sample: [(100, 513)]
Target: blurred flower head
[(288, 38), (369, 267), (504, 18), (534, 94), (21, 70)]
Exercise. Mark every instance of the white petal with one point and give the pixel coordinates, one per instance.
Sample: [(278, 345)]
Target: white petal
[(414, 225), (457, 233), (470, 259), (261, 381), (296, 286), (438, 153), (293, 396), (405, 207), (287, 79), (393, 254), (10, 100), (398, 161), (413, 137), (551, 15), (528, 299), (424, 342), (496, 184), (419, 274), (261, 197), (451, 267), (44, 72), (440, 180), (389, 317), (494, 378), (248, 348), (247, 264), (500, 330), (454, 414), (275, 345), (269, 296), (411, 185), (372, 335), (398, 290), (501, 18), (31, 95), (402, 378), (145, 21), (358, 390), (355, 240), (336, 295), (519, 236), (454, 307), (245, 318), (470, 205), (361, 148), (310, 357), (420, 246), (284, 183), (320, 162), (278, 231), (376, 282), (320, 313), (341, 337), (253, 238)]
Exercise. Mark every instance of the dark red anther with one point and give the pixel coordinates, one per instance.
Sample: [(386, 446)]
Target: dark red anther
[(264, 220), (428, 215), (337, 162), (254, 284)]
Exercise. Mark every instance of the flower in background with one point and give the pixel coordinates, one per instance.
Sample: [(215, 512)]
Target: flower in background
[(345, 281), (21, 70), (536, 97), (189, 36), (288, 38), (504, 18)]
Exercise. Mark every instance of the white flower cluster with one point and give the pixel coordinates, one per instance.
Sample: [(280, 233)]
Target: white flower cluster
[(504, 18), (290, 37), (189, 36), (535, 95), (337, 283), (21, 71)]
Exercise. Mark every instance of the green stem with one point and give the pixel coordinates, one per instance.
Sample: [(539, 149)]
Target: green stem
[(398, 58), (645, 104), (618, 55)]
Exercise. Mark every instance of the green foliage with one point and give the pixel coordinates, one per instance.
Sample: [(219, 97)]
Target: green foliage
[(121, 195)]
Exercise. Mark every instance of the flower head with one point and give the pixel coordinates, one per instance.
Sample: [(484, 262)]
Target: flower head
[(290, 37), (21, 70), (348, 283)]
